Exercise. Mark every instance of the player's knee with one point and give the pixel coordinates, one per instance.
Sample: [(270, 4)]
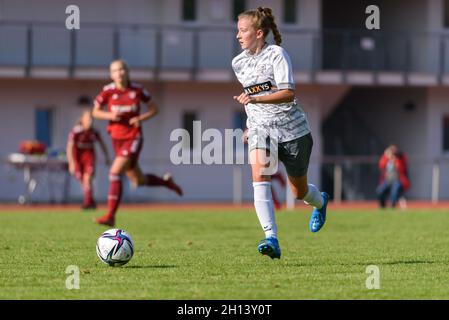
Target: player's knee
[(114, 177), (260, 178), (135, 182), (114, 172), (141, 181), (86, 183)]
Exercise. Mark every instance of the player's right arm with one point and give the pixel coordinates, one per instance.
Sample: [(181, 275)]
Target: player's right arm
[(99, 113), (100, 101)]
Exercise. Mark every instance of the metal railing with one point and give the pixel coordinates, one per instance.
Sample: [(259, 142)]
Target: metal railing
[(198, 47), (361, 173), (351, 178)]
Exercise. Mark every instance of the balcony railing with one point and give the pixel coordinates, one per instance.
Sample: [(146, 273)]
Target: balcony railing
[(194, 48)]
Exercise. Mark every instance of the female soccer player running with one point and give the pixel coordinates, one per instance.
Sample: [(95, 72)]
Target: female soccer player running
[(81, 155), (123, 99), (265, 72)]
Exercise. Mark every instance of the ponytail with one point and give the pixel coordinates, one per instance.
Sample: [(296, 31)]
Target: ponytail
[(264, 19), (267, 14)]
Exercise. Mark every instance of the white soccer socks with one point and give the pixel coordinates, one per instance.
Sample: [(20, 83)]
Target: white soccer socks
[(263, 202), (314, 197)]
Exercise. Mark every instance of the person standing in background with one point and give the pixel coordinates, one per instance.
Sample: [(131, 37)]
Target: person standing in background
[(394, 181)]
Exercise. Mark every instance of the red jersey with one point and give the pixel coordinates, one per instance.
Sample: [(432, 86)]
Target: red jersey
[(400, 164), (127, 103), (83, 140)]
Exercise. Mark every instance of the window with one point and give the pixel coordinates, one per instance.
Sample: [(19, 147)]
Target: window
[(189, 10), (238, 6), (43, 123), (446, 133), (187, 123), (290, 11)]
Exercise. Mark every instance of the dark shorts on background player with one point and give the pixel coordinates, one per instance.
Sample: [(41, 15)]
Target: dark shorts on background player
[(128, 148)]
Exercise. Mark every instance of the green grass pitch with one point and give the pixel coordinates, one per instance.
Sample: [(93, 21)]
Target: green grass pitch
[(212, 254)]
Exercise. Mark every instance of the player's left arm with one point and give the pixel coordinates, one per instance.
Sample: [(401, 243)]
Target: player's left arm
[(152, 111)]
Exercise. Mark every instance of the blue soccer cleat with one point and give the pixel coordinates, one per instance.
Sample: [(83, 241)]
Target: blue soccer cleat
[(319, 215), (270, 247)]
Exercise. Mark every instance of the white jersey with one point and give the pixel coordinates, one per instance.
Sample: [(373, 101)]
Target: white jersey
[(266, 72)]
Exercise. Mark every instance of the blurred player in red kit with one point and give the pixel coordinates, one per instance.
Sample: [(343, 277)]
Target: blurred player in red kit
[(81, 155), (123, 100)]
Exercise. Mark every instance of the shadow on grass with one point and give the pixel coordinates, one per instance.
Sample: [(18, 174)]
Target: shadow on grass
[(410, 262), (152, 267), (378, 263)]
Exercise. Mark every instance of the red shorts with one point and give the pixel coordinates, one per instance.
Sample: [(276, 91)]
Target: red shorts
[(128, 148), (84, 164)]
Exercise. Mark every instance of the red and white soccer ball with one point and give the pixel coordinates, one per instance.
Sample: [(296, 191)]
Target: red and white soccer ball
[(115, 247)]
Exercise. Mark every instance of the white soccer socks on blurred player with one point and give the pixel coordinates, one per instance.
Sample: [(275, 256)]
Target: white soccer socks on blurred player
[(314, 197), (263, 202)]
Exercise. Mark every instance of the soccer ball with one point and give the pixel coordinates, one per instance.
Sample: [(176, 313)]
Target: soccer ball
[(115, 247)]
